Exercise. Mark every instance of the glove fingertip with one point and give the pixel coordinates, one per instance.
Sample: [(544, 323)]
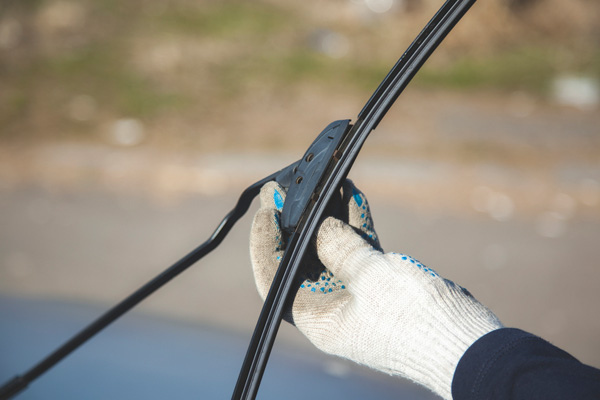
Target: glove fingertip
[(339, 247), (266, 248), (359, 212), (272, 196)]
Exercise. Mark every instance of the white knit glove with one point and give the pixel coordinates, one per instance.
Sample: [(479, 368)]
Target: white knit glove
[(386, 311)]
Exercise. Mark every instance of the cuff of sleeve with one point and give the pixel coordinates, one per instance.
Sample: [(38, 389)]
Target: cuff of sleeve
[(482, 367)]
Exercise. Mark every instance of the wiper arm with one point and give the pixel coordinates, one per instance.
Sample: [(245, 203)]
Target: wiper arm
[(20, 382)]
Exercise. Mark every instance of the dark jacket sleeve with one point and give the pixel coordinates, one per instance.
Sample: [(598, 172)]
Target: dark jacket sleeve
[(513, 364)]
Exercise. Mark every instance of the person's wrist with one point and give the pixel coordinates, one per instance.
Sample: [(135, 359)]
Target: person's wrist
[(454, 324)]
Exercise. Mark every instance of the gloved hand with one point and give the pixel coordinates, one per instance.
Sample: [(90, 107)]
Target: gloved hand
[(387, 311)]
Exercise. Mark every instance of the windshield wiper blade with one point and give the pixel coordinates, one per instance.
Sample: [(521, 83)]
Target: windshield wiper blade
[(333, 172)]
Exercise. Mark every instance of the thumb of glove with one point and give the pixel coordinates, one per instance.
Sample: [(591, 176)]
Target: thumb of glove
[(266, 238)]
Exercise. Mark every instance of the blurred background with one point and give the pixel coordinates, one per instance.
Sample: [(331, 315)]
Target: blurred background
[(128, 129)]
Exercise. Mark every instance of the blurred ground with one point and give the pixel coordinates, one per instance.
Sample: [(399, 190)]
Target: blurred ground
[(200, 74), (124, 140), (152, 357), (94, 222)]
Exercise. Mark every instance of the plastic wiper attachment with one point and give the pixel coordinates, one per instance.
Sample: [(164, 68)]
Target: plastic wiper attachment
[(308, 174)]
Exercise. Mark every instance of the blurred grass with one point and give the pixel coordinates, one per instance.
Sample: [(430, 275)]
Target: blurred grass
[(97, 69), (526, 68), (107, 54), (225, 19)]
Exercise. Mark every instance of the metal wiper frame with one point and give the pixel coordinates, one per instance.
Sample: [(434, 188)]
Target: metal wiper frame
[(311, 183)]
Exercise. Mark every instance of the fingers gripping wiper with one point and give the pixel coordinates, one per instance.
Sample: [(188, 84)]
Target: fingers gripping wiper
[(311, 183)]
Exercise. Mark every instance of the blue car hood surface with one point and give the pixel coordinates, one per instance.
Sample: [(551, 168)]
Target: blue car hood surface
[(147, 357)]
